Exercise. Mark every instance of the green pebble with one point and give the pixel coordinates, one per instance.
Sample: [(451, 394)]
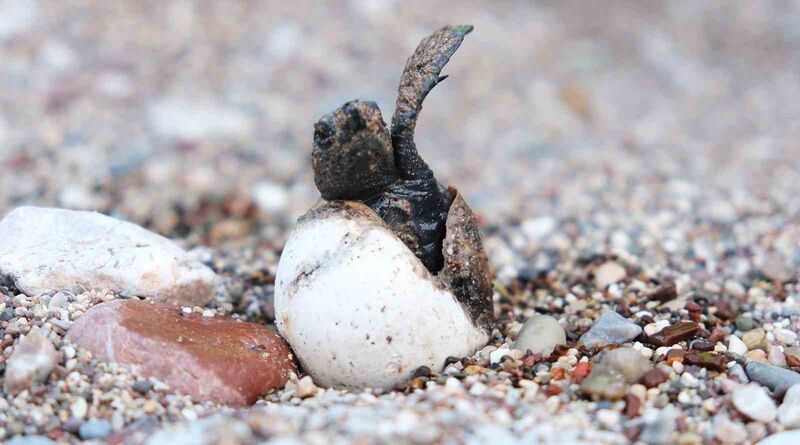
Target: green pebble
[(744, 323)]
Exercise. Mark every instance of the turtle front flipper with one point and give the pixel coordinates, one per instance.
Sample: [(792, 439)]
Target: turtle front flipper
[(420, 75)]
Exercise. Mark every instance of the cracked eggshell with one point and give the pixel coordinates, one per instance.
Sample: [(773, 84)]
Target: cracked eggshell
[(359, 308)]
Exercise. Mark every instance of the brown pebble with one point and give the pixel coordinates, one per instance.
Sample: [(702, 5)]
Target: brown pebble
[(675, 355), (553, 390), (666, 292), (792, 361), (708, 360), (691, 306), (632, 405), (558, 373), (678, 332), (717, 335), (653, 378), (725, 310), (580, 372), (624, 310)]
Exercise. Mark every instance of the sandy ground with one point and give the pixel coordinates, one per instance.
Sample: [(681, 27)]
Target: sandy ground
[(665, 135)]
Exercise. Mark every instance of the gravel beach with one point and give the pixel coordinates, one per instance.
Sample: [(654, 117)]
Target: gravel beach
[(634, 169)]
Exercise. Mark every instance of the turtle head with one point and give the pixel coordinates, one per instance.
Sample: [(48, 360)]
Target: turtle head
[(353, 157)]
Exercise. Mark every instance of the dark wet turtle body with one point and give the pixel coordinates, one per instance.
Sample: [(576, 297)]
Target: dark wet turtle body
[(356, 157)]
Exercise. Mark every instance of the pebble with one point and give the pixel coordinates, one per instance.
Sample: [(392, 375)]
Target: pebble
[(784, 438), (79, 408), (789, 411), (142, 386), (59, 300), (771, 376), (738, 371), (757, 355), (611, 327), (609, 273), (47, 250), (744, 322), (728, 431), (736, 345), (752, 401), (306, 387), (30, 363), (628, 362), (604, 384), (785, 336), (665, 292), (678, 332), (652, 328), (776, 357), (95, 429), (659, 426), (497, 355), (211, 359), (540, 334), (754, 338), (654, 378), (30, 440)]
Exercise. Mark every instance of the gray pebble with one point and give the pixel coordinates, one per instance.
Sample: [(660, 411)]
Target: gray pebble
[(30, 440), (95, 429), (142, 386), (738, 372), (7, 314), (659, 428), (771, 376), (611, 327)]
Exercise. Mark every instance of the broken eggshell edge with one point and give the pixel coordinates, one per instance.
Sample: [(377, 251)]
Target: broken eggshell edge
[(361, 310)]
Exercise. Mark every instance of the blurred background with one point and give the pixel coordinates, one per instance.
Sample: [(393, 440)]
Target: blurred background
[(194, 118)]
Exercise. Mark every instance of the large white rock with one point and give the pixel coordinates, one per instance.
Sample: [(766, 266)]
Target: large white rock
[(45, 250), (359, 308)]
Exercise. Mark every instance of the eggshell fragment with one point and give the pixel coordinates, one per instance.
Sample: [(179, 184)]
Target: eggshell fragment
[(361, 310)]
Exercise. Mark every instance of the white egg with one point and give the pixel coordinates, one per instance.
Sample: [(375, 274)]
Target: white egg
[(360, 309)]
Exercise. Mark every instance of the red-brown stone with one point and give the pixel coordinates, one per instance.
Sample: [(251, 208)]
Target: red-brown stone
[(653, 378), (684, 330), (215, 359), (632, 404), (666, 292), (581, 371)]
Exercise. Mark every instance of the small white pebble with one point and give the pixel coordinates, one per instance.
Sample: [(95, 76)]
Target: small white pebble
[(608, 418), (498, 354), (689, 381), (639, 391), (785, 336), (736, 345)]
